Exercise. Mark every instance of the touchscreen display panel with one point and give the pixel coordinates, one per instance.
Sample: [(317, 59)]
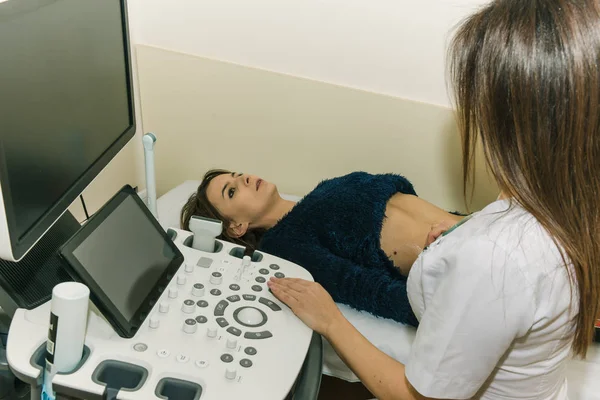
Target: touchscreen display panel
[(126, 255)]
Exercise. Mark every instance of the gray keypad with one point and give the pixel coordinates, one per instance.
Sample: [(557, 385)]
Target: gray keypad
[(189, 302), (202, 303), (258, 335), (234, 298), (260, 279), (272, 305), (190, 321), (204, 262), (256, 288), (234, 331), (227, 358), (274, 267), (217, 274), (249, 297), (215, 292), (220, 308), (234, 287), (250, 351), (245, 363), (222, 322), (279, 275), (264, 271), (201, 319), (198, 286)]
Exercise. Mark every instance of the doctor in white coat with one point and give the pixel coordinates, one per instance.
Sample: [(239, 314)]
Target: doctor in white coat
[(508, 296)]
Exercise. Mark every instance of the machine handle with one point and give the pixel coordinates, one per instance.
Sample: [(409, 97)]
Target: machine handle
[(309, 381)]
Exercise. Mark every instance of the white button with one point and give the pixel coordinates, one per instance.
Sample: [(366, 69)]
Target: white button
[(230, 373), (181, 279), (173, 293), (163, 307), (216, 278), (163, 353), (182, 358), (201, 363), (246, 261), (154, 322), (198, 290), (189, 267), (211, 332), (231, 343), (190, 325), (188, 306)]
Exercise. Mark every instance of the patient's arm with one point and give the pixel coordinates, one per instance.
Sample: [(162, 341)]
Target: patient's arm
[(374, 290)]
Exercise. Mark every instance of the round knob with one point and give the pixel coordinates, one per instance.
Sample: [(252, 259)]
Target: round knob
[(173, 293), (154, 322), (189, 325), (181, 279), (163, 307), (246, 261), (230, 373), (216, 278), (231, 343), (188, 307), (198, 290), (211, 332), (189, 267)]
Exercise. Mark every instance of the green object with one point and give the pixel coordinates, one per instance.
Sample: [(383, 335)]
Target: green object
[(453, 227)]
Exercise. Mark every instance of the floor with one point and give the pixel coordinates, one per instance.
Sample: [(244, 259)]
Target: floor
[(338, 389)]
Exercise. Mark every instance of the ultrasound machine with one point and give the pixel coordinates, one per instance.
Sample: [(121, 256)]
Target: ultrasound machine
[(173, 314)]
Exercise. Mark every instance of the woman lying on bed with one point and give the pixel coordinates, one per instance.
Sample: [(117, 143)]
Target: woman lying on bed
[(358, 234)]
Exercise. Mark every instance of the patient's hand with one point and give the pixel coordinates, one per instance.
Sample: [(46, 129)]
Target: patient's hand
[(437, 230)]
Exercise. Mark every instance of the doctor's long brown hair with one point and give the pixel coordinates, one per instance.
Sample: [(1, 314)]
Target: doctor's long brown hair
[(527, 84)]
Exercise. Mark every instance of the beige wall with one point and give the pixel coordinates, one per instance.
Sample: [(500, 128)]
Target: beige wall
[(394, 47), (292, 131)]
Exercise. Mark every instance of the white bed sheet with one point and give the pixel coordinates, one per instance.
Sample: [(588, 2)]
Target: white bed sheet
[(389, 336)]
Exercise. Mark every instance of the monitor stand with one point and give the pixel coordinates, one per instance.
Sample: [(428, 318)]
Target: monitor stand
[(29, 282)]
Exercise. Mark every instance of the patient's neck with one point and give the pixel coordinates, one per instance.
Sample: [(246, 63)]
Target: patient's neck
[(279, 210)]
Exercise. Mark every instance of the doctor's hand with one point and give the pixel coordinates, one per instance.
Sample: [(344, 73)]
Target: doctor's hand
[(309, 301), (437, 230)]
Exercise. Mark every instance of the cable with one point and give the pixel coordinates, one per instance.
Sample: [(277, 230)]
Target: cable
[(87, 216), (110, 393)]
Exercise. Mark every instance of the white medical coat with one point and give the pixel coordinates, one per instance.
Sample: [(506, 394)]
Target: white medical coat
[(496, 311)]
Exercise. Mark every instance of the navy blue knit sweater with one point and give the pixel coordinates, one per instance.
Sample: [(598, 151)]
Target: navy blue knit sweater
[(334, 232)]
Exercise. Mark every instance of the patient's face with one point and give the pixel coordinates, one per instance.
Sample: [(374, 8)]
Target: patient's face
[(242, 198)]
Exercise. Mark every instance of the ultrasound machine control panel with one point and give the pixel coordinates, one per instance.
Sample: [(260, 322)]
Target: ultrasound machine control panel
[(209, 328)]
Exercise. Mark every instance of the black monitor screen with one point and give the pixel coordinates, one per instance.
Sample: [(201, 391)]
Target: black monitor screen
[(126, 255), (64, 101)]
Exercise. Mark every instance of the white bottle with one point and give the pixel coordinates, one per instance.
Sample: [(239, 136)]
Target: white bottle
[(66, 332)]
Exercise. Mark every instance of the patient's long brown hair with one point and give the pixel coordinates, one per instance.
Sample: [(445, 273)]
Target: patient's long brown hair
[(199, 205), (526, 82)]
